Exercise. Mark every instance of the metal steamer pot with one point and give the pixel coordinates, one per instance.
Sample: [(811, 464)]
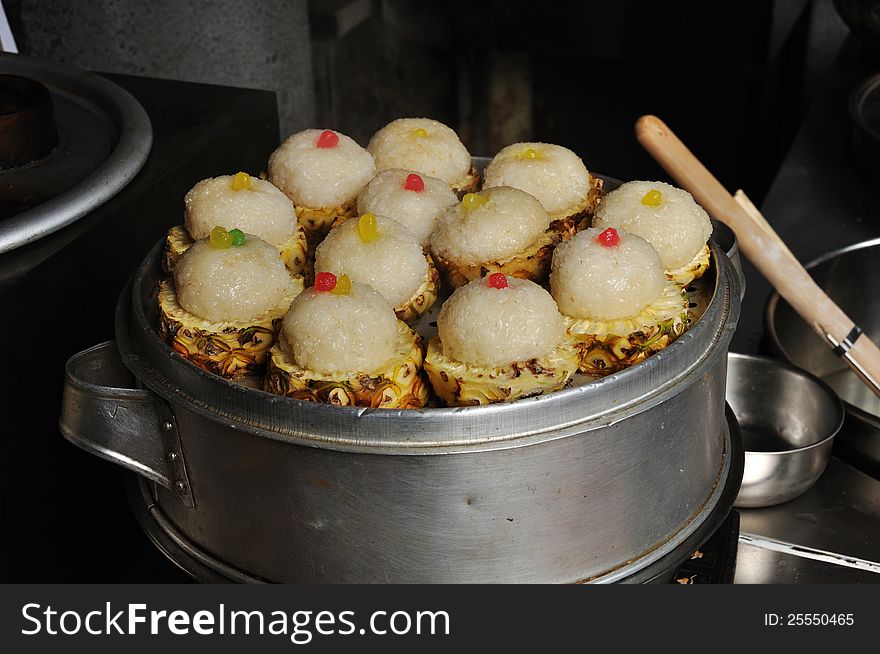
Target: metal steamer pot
[(616, 479)]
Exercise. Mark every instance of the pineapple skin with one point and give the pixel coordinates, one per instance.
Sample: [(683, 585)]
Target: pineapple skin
[(230, 350), (532, 263), (294, 252), (692, 270), (606, 347), (400, 386), (424, 297), (462, 384)]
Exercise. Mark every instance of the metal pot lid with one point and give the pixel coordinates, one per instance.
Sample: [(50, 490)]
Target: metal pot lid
[(104, 140)]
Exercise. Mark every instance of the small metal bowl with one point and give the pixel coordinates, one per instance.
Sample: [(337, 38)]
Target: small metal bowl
[(788, 419)]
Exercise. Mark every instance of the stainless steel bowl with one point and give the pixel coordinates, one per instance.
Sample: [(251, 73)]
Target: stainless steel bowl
[(851, 277), (788, 419)]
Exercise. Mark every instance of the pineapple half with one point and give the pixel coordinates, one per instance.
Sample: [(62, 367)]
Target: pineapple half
[(532, 263), (607, 346), (228, 349), (692, 270), (424, 297), (294, 252), (463, 384), (399, 386)]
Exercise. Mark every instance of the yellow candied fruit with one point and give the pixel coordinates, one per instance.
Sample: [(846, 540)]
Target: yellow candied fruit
[(421, 132), (531, 153), (343, 285), (472, 201), (368, 228), (220, 238), (652, 198), (241, 182)]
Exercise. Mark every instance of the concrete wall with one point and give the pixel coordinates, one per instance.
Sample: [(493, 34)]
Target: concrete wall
[(262, 45)]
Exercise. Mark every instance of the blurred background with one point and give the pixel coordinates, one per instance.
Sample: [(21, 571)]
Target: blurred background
[(733, 78)]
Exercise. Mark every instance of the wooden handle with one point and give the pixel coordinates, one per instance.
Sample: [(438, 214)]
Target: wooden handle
[(762, 245)]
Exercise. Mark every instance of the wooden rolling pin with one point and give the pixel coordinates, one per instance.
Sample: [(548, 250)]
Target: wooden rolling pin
[(764, 249)]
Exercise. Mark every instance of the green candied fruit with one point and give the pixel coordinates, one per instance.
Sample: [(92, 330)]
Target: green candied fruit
[(238, 237), (220, 238)]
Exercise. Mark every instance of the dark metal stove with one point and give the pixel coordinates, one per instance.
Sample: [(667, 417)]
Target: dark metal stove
[(63, 512)]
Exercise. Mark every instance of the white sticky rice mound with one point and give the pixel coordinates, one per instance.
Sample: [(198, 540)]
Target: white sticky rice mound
[(559, 179), (316, 177), (235, 284), (496, 327), (678, 229), (510, 222), (589, 280), (418, 211), (439, 154), (394, 264), (261, 210), (330, 333)]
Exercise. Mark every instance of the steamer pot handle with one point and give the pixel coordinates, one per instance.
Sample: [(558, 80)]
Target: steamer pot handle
[(103, 413)]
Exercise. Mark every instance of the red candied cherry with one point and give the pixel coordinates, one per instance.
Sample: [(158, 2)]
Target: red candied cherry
[(414, 183), (497, 280), (325, 281), (609, 238), (328, 139)]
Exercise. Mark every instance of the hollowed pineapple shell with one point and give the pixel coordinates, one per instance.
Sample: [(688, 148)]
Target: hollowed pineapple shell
[(424, 297), (294, 252), (399, 386), (462, 384), (469, 184), (607, 346), (582, 213), (532, 263), (228, 349), (692, 270), (317, 222)]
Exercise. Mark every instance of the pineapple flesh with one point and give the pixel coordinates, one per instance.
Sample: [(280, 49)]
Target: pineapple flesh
[(399, 386), (607, 346), (228, 349), (463, 384), (294, 251)]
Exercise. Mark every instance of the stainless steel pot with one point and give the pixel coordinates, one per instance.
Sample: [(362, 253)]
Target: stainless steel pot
[(595, 482), (851, 277)]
